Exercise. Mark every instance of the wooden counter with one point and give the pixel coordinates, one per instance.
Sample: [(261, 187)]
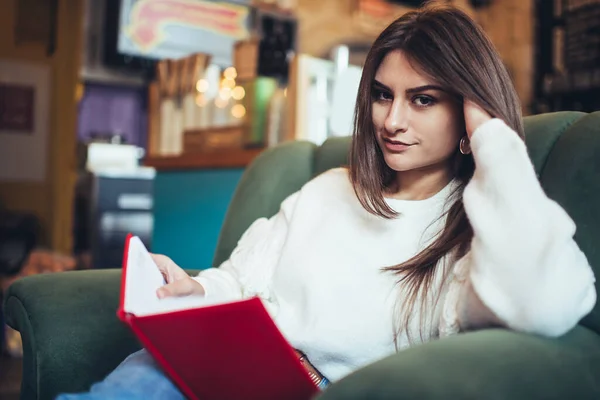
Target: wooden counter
[(234, 158)]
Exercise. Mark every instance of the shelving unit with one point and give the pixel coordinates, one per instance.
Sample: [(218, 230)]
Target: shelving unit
[(567, 55)]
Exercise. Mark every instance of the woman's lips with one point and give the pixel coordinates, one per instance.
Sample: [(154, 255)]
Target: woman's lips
[(395, 146)]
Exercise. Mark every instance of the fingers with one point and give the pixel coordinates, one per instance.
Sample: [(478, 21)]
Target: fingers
[(179, 283), (475, 116), (181, 287), (168, 268), (162, 263), (475, 110), (160, 260)]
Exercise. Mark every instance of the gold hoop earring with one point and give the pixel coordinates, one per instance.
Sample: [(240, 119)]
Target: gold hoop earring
[(465, 145)]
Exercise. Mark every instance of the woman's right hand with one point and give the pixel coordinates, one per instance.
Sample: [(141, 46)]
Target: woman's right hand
[(179, 283), (475, 116)]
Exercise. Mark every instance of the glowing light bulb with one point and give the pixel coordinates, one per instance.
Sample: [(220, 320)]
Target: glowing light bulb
[(220, 103), (225, 93), (238, 93), (228, 83), (230, 73), (201, 100), (238, 111), (202, 85)]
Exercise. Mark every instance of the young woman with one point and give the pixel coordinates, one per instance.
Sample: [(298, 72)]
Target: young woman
[(438, 226)]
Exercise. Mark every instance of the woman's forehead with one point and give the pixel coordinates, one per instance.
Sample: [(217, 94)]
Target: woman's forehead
[(398, 69)]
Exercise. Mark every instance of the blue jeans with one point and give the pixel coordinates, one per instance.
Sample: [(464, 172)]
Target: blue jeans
[(138, 377)]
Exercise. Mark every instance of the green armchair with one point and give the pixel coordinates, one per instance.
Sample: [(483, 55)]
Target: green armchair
[(72, 338)]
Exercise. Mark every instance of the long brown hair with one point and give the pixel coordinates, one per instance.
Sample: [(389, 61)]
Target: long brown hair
[(449, 47)]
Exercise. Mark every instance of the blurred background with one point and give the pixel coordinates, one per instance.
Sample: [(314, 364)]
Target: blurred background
[(140, 116)]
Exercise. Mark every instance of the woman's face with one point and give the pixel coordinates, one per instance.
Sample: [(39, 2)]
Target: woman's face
[(418, 124)]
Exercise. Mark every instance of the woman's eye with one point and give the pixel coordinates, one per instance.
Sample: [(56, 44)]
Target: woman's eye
[(380, 95), (423, 101)]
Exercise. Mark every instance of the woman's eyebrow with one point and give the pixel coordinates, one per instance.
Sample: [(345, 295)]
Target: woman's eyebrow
[(425, 88), (380, 85)]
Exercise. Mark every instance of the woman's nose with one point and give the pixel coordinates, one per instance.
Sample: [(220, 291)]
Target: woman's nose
[(397, 118)]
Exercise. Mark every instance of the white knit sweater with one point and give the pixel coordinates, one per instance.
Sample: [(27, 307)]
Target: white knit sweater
[(317, 263)]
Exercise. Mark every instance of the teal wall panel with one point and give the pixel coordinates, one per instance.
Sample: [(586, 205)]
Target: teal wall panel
[(189, 209)]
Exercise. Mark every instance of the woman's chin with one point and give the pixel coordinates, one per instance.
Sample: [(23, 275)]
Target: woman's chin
[(396, 163)]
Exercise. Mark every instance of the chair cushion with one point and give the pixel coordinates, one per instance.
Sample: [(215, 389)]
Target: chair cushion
[(273, 176), (332, 153), (571, 176), (542, 131)]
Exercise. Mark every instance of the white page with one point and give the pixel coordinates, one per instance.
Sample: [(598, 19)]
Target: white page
[(142, 281)]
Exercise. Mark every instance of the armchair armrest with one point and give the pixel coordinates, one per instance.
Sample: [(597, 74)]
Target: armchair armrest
[(71, 334), (72, 338), (490, 364)]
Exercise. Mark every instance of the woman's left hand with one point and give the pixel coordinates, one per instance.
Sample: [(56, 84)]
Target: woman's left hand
[(475, 116)]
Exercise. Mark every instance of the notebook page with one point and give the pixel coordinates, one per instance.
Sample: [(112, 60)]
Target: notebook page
[(142, 281)]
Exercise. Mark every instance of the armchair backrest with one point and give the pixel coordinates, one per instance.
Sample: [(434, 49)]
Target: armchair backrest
[(564, 148)]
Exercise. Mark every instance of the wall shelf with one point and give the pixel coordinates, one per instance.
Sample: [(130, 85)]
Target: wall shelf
[(234, 158)]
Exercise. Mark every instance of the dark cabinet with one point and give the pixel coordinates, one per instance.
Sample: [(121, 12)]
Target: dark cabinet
[(122, 203)]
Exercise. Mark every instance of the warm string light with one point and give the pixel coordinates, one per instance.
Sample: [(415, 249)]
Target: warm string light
[(228, 90), (201, 100), (228, 83), (225, 93), (230, 73), (238, 111), (220, 103), (238, 93), (202, 86)]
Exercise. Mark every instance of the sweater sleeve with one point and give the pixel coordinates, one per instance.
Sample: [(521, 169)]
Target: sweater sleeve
[(524, 271), (249, 269)]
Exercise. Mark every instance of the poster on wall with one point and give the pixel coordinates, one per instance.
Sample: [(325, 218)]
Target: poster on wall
[(16, 108), (24, 121), (161, 29), (372, 16)]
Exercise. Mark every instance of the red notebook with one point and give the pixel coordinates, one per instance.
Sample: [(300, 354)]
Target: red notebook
[(230, 350)]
